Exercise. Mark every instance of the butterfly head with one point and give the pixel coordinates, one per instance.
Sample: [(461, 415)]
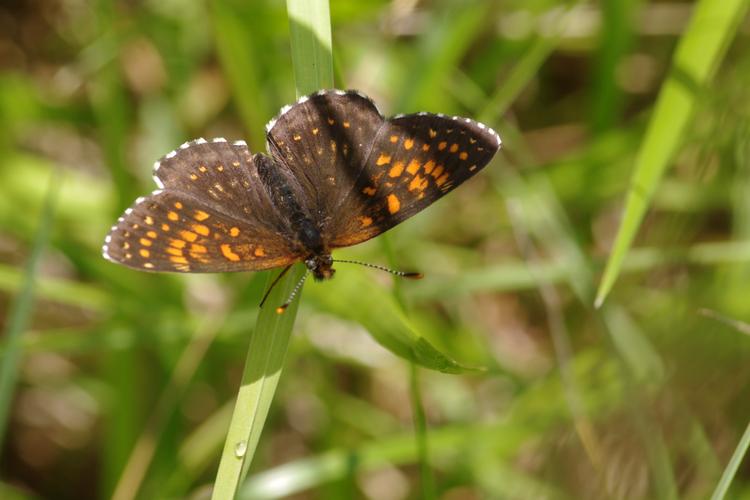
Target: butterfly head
[(321, 266)]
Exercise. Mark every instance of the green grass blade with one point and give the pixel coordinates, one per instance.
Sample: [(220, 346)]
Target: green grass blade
[(732, 466), (698, 54), (265, 359), (310, 31), (20, 311), (310, 28)]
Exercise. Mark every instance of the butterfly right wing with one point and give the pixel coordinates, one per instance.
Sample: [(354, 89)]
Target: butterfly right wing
[(414, 161), (211, 215)]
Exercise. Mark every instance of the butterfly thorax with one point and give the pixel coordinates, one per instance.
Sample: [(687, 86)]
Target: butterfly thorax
[(318, 258)]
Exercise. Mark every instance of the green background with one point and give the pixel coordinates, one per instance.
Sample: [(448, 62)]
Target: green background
[(126, 380)]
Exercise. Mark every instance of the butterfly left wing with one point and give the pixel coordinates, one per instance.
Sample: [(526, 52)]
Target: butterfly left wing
[(213, 214), (414, 160)]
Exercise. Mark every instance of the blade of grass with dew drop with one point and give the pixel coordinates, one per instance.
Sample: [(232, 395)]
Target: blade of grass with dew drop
[(310, 28), (265, 358), (20, 312), (697, 57), (731, 469)]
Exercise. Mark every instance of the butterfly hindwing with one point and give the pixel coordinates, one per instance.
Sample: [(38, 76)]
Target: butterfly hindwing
[(414, 161)]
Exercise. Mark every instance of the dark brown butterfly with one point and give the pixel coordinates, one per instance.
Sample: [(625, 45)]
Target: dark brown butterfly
[(337, 173)]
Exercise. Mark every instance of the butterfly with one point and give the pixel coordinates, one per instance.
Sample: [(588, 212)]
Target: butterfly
[(337, 173)]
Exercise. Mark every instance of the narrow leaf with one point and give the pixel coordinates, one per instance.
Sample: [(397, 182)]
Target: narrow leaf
[(698, 54)]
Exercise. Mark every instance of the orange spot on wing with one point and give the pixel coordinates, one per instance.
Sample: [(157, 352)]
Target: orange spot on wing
[(202, 168), (369, 191), (178, 260), (226, 251), (442, 145), (177, 243), (145, 242), (234, 231), (454, 148), (346, 124), (331, 121), (442, 179), (425, 147), (144, 252), (193, 177), (383, 159), (220, 168), (418, 183), (396, 169), (438, 170), (463, 155), (188, 236), (165, 227), (201, 215), (196, 248), (200, 229), (394, 138), (413, 166), (151, 234), (148, 220), (259, 252), (178, 205), (429, 166), (432, 133), (408, 144), (172, 216), (174, 251), (365, 221), (394, 205), (297, 137)]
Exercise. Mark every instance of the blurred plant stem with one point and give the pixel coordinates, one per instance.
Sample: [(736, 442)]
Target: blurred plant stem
[(21, 309)]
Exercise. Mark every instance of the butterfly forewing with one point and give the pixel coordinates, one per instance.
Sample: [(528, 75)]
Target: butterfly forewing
[(220, 174), (324, 140), (212, 215), (414, 161)]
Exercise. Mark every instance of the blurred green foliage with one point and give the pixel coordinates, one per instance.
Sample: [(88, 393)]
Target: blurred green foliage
[(644, 398)]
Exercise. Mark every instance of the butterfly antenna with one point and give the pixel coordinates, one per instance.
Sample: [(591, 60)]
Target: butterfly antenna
[(402, 274), (275, 281), (282, 308)]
